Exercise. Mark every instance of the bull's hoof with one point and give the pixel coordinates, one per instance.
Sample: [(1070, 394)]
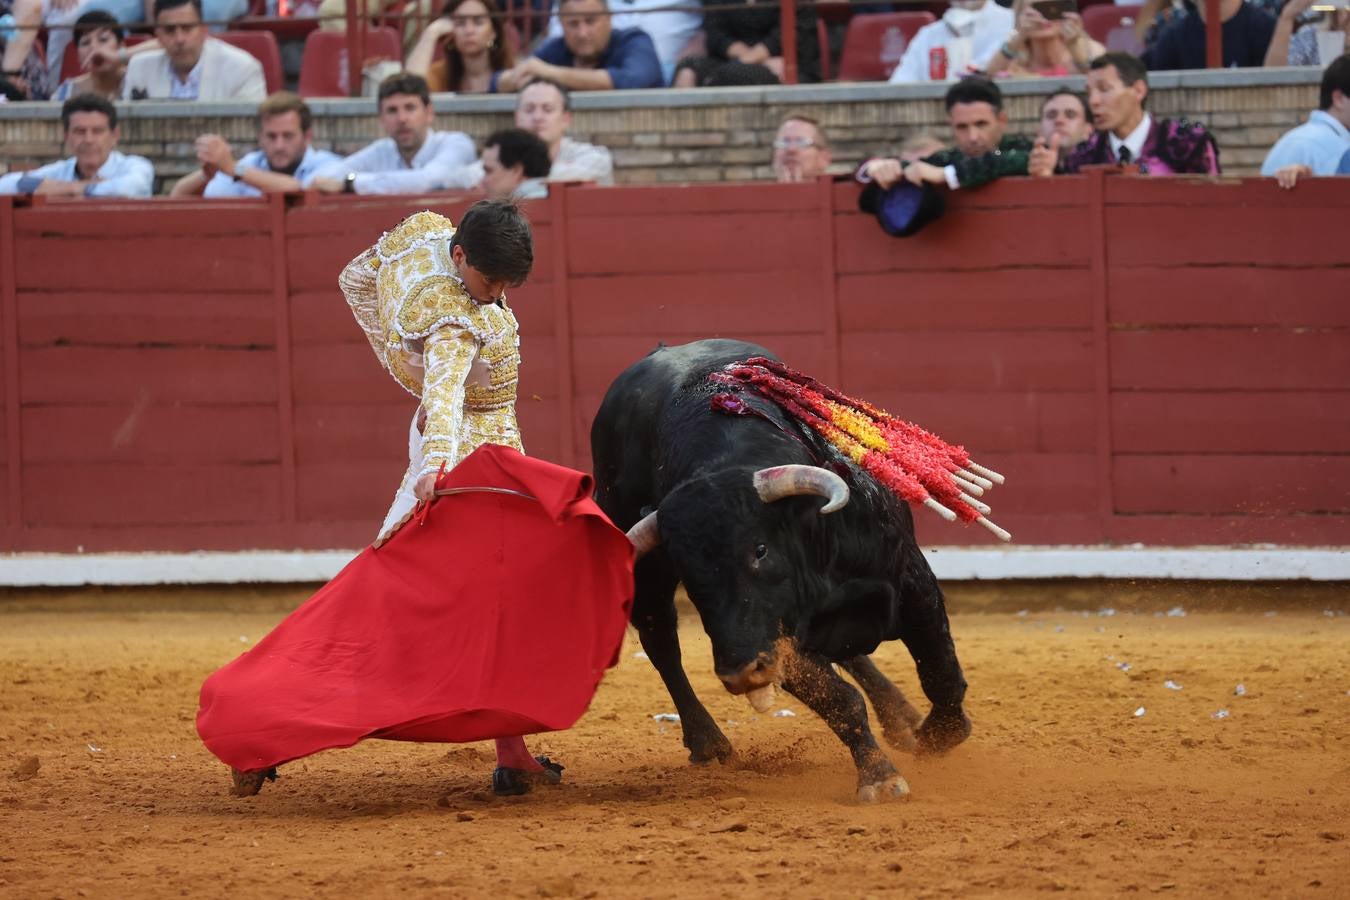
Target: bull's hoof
[(703, 752), (941, 732), (901, 737), (893, 788), (247, 784)]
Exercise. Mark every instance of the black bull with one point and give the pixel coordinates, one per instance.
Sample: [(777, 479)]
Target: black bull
[(783, 590)]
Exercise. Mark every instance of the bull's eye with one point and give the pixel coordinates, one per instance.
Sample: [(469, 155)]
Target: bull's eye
[(761, 551)]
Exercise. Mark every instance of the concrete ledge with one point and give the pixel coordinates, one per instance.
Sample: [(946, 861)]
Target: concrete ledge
[(949, 563)]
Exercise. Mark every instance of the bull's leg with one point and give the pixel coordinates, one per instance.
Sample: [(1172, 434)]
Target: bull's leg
[(814, 682), (897, 715), (655, 618), (927, 633)]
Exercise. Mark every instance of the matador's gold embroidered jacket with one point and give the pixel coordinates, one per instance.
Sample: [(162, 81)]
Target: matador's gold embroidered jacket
[(459, 357)]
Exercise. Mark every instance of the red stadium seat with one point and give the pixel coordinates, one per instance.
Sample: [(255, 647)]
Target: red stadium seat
[(874, 44), (264, 48), (1100, 21), (323, 73)]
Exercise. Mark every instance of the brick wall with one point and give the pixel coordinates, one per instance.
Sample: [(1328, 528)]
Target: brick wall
[(706, 135)]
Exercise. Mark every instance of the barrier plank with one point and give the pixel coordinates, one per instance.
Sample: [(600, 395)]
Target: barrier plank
[(150, 433), (161, 262), (1224, 484), (599, 360), (103, 317), (988, 240), (968, 361), (689, 303), (338, 429), (1230, 422), (96, 494), (124, 375), (349, 491), (710, 243), (985, 421), (1008, 300), (1240, 295), (1226, 360), (1289, 236)]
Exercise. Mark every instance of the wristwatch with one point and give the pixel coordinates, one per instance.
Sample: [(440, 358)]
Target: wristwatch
[(349, 183)]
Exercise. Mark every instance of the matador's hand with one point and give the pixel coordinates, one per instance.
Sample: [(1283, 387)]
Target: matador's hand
[(425, 487)]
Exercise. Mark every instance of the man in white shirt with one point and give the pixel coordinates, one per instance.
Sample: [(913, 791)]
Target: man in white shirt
[(285, 161), (413, 158), (95, 168), (962, 41), (544, 108), (191, 65)]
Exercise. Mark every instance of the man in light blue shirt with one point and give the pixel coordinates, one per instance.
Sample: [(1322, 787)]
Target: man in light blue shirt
[(1318, 146), (95, 168), (285, 161), (414, 158)]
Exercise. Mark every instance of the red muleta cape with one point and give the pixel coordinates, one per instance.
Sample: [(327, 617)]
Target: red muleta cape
[(491, 616)]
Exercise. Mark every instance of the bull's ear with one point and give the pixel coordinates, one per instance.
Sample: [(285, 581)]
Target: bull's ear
[(855, 619)]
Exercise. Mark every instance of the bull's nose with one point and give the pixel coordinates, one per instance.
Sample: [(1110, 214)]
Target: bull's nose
[(757, 674)]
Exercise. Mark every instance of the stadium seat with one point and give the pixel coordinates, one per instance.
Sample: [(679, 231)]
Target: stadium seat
[(264, 48), (874, 44), (323, 73), (1100, 21), (823, 39)]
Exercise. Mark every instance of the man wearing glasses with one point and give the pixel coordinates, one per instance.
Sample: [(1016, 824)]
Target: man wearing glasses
[(190, 65), (800, 150)]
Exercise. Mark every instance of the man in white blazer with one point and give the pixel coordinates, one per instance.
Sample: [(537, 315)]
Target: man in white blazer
[(191, 65)]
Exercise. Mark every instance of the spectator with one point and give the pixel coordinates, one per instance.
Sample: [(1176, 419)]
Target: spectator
[(1319, 146), (750, 34), (95, 168), (964, 40), (1302, 47), (674, 32), (800, 150), (1041, 47), (469, 38), (21, 68), (515, 164), (982, 152), (413, 158), (98, 40), (191, 65), (1247, 30), (136, 12), (1126, 133), (285, 161), (1064, 121), (591, 55), (544, 108)]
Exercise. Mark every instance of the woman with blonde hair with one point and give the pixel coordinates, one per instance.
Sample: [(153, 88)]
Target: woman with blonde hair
[(1042, 47), (464, 50)]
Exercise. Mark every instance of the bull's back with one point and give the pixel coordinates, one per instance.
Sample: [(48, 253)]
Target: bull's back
[(637, 410)]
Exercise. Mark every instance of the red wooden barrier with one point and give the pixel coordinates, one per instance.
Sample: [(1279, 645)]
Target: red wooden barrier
[(1165, 362)]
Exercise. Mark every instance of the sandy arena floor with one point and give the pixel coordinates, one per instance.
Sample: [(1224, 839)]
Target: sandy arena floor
[(1061, 788)]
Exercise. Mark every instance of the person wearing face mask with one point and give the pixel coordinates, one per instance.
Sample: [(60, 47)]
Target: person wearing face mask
[(1125, 131), (963, 41), (448, 627)]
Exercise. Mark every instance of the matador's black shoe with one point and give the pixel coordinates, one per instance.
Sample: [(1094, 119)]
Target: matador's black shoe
[(513, 782), (246, 784)]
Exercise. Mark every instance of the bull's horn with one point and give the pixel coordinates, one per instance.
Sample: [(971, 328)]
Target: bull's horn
[(787, 481), (645, 535)]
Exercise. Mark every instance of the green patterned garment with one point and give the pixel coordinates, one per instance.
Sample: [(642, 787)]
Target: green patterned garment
[(1011, 158)]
